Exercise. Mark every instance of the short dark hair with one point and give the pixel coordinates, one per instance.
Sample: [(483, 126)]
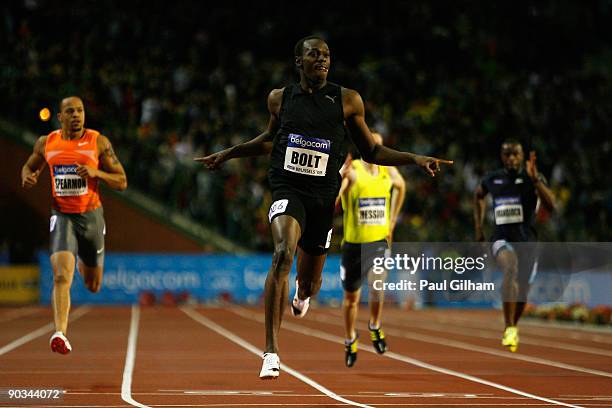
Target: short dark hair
[(298, 50), (61, 101), (511, 141)]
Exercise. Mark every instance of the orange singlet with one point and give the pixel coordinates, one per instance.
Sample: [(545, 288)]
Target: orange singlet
[(71, 193)]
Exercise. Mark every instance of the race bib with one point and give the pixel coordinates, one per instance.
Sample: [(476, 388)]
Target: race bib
[(307, 155), (277, 207), (372, 211), (67, 182), (508, 210)]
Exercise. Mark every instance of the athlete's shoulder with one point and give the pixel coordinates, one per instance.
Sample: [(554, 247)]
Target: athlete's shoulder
[(102, 139), (53, 133), (275, 100), (352, 102), (348, 93), (43, 141), (276, 93), (40, 144)]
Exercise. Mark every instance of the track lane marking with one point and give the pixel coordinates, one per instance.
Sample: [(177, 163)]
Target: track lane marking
[(395, 356), (130, 357), (483, 333), (473, 347), (593, 334), (248, 346), (41, 331)]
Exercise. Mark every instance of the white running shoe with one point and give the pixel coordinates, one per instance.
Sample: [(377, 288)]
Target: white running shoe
[(270, 368), (59, 343), (299, 307)]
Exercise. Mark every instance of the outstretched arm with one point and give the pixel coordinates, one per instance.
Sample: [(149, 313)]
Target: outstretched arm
[(258, 146), (354, 115), (480, 206), (34, 165), (110, 170)]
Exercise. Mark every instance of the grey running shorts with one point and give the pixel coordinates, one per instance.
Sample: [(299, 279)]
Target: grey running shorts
[(79, 233)]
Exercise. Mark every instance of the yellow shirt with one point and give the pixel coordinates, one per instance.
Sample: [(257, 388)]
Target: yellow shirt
[(367, 205)]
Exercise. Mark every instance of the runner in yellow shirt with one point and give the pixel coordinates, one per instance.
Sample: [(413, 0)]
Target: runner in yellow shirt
[(372, 197)]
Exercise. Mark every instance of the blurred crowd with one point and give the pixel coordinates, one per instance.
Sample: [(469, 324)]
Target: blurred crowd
[(166, 84)]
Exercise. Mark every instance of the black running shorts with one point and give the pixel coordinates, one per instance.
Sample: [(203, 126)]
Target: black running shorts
[(314, 215), (357, 260), (80, 233)]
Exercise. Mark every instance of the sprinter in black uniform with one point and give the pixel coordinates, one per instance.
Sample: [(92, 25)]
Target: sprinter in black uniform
[(307, 137), (516, 191)]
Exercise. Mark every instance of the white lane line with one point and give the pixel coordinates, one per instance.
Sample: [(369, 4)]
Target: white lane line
[(487, 333), (14, 314), (472, 347), (248, 346), (395, 356), (369, 394), (391, 404), (577, 331), (309, 405), (484, 334), (47, 328), (130, 357)]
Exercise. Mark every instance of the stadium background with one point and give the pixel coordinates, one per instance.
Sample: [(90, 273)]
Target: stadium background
[(167, 83)]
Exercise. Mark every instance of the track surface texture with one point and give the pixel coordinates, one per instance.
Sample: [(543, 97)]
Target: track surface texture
[(211, 356)]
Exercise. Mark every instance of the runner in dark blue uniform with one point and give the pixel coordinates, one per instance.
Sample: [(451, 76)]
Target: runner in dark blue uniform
[(308, 139), (516, 191)]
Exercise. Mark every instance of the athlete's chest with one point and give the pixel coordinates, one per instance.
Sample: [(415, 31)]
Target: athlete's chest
[(321, 111), (70, 152), (520, 187), (368, 184), (513, 199)]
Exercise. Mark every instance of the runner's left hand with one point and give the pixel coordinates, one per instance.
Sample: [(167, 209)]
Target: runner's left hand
[(86, 171), (430, 164)]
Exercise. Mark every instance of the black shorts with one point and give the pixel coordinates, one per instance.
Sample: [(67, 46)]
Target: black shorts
[(79, 233), (357, 260), (314, 215)]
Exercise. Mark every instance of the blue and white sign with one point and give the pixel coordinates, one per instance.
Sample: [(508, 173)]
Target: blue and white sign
[(205, 277)]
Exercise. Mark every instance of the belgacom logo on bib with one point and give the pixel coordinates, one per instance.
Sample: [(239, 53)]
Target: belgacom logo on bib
[(307, 155)]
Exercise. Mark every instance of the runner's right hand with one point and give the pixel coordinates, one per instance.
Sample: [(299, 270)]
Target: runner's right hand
[(213, 161), (30, 180)]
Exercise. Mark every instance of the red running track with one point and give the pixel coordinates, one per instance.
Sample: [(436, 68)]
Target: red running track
[(210, 357)]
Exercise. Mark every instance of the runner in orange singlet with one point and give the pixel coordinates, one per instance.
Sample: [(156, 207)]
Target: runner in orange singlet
[(78, 158)]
